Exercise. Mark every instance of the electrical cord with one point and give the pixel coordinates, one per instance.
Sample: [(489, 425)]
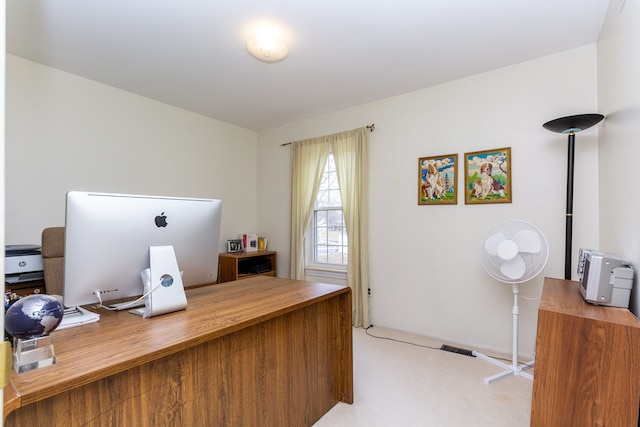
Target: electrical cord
[(534, 298), (129, 304), (366, 330)]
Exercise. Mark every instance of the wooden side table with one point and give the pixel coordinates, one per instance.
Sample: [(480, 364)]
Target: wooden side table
[(240, 265)]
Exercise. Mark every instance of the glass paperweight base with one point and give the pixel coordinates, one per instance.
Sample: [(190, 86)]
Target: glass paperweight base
[(33, 353)]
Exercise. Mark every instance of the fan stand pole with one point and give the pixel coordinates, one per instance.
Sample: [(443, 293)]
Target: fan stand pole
[(514, 368)]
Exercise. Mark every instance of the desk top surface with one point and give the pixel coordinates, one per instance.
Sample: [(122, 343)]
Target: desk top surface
[(563, 296), (121, 340)]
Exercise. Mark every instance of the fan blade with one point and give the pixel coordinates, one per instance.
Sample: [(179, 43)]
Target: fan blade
[(507, 249), (514, 268), (492, 242), (528, 241)]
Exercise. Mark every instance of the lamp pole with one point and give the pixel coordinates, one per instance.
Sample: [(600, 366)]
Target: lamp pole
[(570, 125), (568, 231)]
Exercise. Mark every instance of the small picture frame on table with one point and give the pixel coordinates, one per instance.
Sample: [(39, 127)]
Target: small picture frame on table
[(234, 245)]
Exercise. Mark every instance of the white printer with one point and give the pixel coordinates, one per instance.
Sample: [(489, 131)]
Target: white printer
[(22, 263)]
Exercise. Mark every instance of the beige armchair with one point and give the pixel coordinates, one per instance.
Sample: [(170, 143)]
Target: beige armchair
[(53, 259)]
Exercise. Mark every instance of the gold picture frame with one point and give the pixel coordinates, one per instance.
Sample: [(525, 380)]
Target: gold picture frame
[(438, 180), (487, 176)]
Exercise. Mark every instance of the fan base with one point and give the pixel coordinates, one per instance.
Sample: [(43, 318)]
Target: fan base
[(515, 369)]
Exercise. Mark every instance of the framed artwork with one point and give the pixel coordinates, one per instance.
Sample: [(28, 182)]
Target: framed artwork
[(487, 176), (234, 245), (438, 180)]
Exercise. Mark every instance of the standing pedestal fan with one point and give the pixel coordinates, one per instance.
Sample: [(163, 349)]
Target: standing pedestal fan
[(513, 252)]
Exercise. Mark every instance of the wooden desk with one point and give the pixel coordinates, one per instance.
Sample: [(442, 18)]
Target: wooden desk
[(587, 370), (261, 351)]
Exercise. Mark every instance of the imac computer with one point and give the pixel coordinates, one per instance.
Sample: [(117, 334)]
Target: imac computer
[(108, 239)]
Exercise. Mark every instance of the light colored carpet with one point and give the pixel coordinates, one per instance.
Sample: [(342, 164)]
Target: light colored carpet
[(397, 384)]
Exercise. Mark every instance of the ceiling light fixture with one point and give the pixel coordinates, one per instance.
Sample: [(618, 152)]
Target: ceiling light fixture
[(267, 49)]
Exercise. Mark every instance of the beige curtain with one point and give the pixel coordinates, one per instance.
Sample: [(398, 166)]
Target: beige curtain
[(351, 158), (307, 165)]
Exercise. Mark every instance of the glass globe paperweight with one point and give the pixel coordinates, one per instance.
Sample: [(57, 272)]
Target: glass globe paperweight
[(29, 321)]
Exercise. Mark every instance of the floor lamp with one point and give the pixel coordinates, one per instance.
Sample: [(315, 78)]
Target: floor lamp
[(571, 125)]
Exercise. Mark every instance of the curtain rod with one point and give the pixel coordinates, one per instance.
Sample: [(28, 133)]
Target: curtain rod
[(371, 128)]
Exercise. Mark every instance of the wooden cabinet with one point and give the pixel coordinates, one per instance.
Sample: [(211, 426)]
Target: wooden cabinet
[(587, 369), (239, 265)]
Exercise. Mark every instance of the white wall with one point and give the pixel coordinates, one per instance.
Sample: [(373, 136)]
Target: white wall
[(619, 147), (425, 269), (66, 133)]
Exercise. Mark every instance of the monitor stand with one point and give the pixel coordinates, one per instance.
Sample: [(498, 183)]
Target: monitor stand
[(164, 291)]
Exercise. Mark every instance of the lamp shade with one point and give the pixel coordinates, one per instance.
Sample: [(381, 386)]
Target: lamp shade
[(573, 124)]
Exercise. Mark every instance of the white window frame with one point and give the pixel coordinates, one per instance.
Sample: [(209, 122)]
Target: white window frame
[(320, 268)]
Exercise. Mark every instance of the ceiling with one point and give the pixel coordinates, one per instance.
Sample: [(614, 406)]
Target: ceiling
[(191, 53)]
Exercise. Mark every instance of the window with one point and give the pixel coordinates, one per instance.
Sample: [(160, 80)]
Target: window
[(327, 235)]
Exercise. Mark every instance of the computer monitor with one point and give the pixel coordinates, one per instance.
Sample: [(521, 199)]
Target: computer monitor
[(107, 240)]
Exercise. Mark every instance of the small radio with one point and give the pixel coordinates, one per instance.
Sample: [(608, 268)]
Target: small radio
[(605, 279)]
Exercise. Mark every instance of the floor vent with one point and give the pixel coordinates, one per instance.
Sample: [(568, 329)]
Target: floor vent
[(452, 349)]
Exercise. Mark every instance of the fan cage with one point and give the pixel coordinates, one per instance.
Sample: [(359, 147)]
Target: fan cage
[(534, 262)]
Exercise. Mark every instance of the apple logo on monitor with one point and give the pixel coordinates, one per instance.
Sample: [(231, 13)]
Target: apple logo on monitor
[(161, 220)]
